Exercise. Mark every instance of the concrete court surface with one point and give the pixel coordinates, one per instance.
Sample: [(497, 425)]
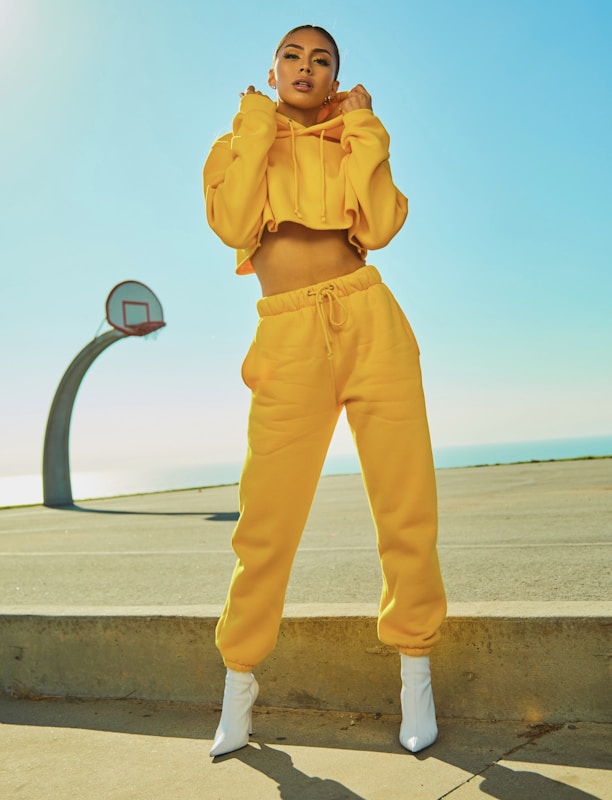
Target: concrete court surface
[(525, 532), (536, 532), (128, 750)]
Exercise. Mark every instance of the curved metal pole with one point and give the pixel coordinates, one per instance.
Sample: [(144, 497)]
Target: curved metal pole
[(57, 489)]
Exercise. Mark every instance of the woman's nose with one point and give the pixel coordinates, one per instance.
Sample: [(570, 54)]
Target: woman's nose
[(305, 68)]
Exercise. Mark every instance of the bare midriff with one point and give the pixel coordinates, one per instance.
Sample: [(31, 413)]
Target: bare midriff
[(295, 257)]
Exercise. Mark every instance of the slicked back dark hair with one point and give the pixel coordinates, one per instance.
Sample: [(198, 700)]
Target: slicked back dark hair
[(320, 30)]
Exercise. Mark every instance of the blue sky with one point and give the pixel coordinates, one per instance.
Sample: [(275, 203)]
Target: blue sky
[(500, 116)]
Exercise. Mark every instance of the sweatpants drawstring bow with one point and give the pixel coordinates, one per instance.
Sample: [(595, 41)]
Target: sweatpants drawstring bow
[(321, 295)]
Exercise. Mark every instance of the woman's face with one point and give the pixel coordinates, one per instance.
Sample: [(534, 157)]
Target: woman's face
[(303, 73)]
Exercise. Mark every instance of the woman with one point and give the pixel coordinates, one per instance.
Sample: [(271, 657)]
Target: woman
[(302, 189)]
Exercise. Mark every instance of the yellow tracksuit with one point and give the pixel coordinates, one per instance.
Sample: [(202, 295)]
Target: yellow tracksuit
[(342, 343)]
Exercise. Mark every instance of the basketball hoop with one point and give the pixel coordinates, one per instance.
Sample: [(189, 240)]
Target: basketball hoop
[(133, 309)]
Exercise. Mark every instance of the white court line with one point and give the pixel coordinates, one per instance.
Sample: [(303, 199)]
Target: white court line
[(521, 545)]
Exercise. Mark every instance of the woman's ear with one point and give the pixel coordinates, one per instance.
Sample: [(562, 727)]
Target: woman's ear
[(335, 87), (271, 79)]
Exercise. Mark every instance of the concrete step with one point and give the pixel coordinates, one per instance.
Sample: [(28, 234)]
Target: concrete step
[(536, 662)]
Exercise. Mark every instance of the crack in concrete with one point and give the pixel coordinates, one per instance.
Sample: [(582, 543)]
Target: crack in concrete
[(530, 736)]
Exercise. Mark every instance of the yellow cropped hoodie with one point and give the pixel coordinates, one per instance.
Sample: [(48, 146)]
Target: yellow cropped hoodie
[(333, 175)]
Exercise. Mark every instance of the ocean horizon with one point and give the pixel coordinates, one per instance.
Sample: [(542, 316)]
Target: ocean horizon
[(18, 490)]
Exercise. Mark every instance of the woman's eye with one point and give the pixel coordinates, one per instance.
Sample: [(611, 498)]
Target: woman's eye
[(290, 55), (323, 61)]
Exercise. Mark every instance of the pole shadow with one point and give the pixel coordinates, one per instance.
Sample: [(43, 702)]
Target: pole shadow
[(211, 516)]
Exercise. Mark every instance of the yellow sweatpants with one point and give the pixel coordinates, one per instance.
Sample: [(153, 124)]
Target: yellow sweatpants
[(342, 343)]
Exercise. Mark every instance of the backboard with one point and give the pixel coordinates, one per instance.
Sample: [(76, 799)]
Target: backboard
[(133, 308)]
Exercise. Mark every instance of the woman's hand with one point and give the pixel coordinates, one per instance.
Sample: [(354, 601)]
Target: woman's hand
[(250, 90), (357, 98)]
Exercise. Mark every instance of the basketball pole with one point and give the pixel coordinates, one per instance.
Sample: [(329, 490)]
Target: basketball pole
[(57, 487)]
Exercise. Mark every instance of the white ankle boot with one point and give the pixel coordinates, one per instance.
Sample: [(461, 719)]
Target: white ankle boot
[(241, 690), (419, 728)]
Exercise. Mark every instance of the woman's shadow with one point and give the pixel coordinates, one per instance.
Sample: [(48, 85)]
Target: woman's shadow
[(496, 781), (292, 783)]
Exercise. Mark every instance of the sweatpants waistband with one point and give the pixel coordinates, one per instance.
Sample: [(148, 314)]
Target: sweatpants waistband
[(357, 281)]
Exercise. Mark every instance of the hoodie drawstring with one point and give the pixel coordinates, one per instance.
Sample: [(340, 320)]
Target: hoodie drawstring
[(296, 202), (322, 168), (296, 198), (321, 295)]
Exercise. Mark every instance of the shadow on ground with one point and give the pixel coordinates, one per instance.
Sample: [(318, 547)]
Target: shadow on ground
[(475, 747)]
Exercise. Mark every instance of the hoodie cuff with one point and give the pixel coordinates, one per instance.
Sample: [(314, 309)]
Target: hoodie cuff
[(358, 115), (363, 124)]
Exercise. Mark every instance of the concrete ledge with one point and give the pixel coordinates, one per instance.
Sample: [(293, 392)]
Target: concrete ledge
[(538, 662)]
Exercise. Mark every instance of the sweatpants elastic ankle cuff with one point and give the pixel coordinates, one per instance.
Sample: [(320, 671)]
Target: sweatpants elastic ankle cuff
[(415, 652), (238, 667)]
